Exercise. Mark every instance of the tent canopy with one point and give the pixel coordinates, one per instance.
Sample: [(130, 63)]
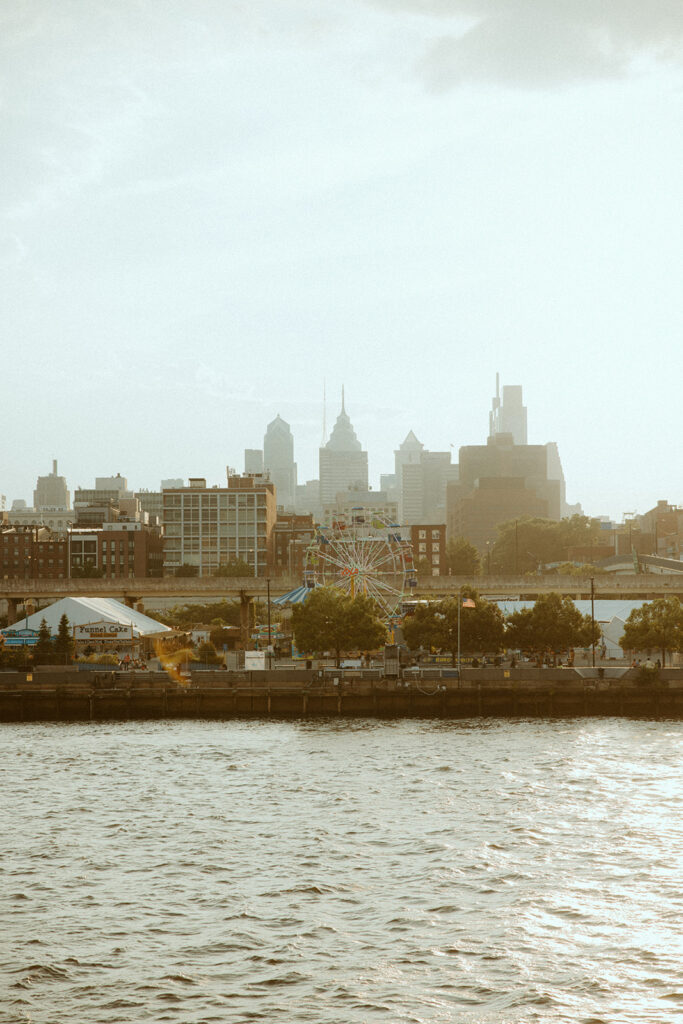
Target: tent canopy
[(296, 596), (82, 610)]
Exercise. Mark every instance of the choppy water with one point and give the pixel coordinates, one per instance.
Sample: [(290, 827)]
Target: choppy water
[(413, 871)]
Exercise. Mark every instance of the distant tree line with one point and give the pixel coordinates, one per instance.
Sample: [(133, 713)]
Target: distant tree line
[(336, 622)]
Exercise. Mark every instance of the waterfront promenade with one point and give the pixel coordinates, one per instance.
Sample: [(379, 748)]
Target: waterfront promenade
[(68, 695)]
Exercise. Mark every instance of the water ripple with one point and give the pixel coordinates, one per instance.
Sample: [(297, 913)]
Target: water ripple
[(426, 872)]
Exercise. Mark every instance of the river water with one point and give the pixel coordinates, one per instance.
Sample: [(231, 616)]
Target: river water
[(342, 872)]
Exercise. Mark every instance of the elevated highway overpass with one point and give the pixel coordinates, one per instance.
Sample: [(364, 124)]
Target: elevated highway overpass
[(144, 591)]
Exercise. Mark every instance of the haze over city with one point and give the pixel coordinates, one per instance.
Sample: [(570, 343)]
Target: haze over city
[(209, 210)]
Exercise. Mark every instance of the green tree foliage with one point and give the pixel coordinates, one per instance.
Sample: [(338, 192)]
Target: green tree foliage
[(233, 568), (220, 635), (63, 641), (187, 570), (86, 572), (331, 621), (187, 615), (583, 571), (45, 645), (525, 544), (554, 624), (208, 655), (462, 558), (436, 626), (657, 625)]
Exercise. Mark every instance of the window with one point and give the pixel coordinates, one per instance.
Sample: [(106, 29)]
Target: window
[(436, 534), (422, 534)]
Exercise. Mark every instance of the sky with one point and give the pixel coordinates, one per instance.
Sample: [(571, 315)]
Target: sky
[(212, 211)]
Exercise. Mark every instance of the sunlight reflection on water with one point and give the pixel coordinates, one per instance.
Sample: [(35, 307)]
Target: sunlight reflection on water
[(342, 872)]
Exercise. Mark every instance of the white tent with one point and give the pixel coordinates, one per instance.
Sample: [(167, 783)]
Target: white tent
[(82, 610)]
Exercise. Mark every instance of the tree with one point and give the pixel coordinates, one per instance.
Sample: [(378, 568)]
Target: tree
[(331, 621), (462, 558), (234, 567), (187, 570), (187, 615), (220, 635), (524, 545), (583, 571), (208, 654), (436, 625), (44, 644), (86, 572), (64, 641), (657, 625), (554, 624)]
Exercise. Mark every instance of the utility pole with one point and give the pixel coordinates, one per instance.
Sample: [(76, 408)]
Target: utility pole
[(270, 644), (593, 619), (516, 567), (459, 610)]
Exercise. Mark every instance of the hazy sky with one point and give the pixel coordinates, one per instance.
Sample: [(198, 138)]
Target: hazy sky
[(209, 207)]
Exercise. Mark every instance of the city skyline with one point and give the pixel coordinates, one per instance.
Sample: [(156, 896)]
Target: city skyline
[(206, 214), (514, 391)]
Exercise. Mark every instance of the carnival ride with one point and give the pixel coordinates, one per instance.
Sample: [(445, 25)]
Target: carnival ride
[(363, 552)]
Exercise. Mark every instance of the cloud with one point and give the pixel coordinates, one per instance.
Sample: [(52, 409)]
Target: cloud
[(541, 43)]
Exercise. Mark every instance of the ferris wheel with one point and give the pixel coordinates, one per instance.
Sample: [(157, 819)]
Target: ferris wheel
[(362, 552)]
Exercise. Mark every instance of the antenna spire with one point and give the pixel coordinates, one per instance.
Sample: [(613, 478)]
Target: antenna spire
[(343, 409), (324, 415)]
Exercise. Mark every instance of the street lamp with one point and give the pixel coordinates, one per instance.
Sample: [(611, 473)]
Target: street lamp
[(69, 527), (270, 643)]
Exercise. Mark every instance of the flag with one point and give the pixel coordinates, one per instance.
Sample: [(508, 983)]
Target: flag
[(467, 602)]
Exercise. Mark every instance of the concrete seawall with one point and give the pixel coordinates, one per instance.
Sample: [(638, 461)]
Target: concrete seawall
[(65, 695)]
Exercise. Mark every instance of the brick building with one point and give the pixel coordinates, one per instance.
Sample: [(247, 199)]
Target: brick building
[(130, 549), (292, 535), (32, 553), (429, 546)]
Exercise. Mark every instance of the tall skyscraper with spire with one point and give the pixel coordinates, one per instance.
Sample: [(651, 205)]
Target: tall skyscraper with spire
[(278, 461), (508, 415), (343, 463), (51, 491)]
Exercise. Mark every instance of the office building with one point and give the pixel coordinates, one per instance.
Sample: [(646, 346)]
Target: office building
[(51, 491), (278, 462), (343, 463), (508, 414), (253, 461), (208, 527)]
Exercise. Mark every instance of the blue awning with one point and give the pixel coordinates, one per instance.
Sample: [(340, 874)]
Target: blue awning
[(296, 596)]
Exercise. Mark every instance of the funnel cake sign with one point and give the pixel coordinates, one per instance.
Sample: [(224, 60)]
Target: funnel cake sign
[(104, 631)]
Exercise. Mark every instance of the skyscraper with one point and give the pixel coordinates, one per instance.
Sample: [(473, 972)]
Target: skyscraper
[(343, 463), (508, 416), (51, 491), (278, 461), (253, 460)]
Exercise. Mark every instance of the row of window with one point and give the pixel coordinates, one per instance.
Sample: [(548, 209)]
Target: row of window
[(177, 501)]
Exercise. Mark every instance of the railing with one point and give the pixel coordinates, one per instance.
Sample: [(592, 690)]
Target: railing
[(503, 587)]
